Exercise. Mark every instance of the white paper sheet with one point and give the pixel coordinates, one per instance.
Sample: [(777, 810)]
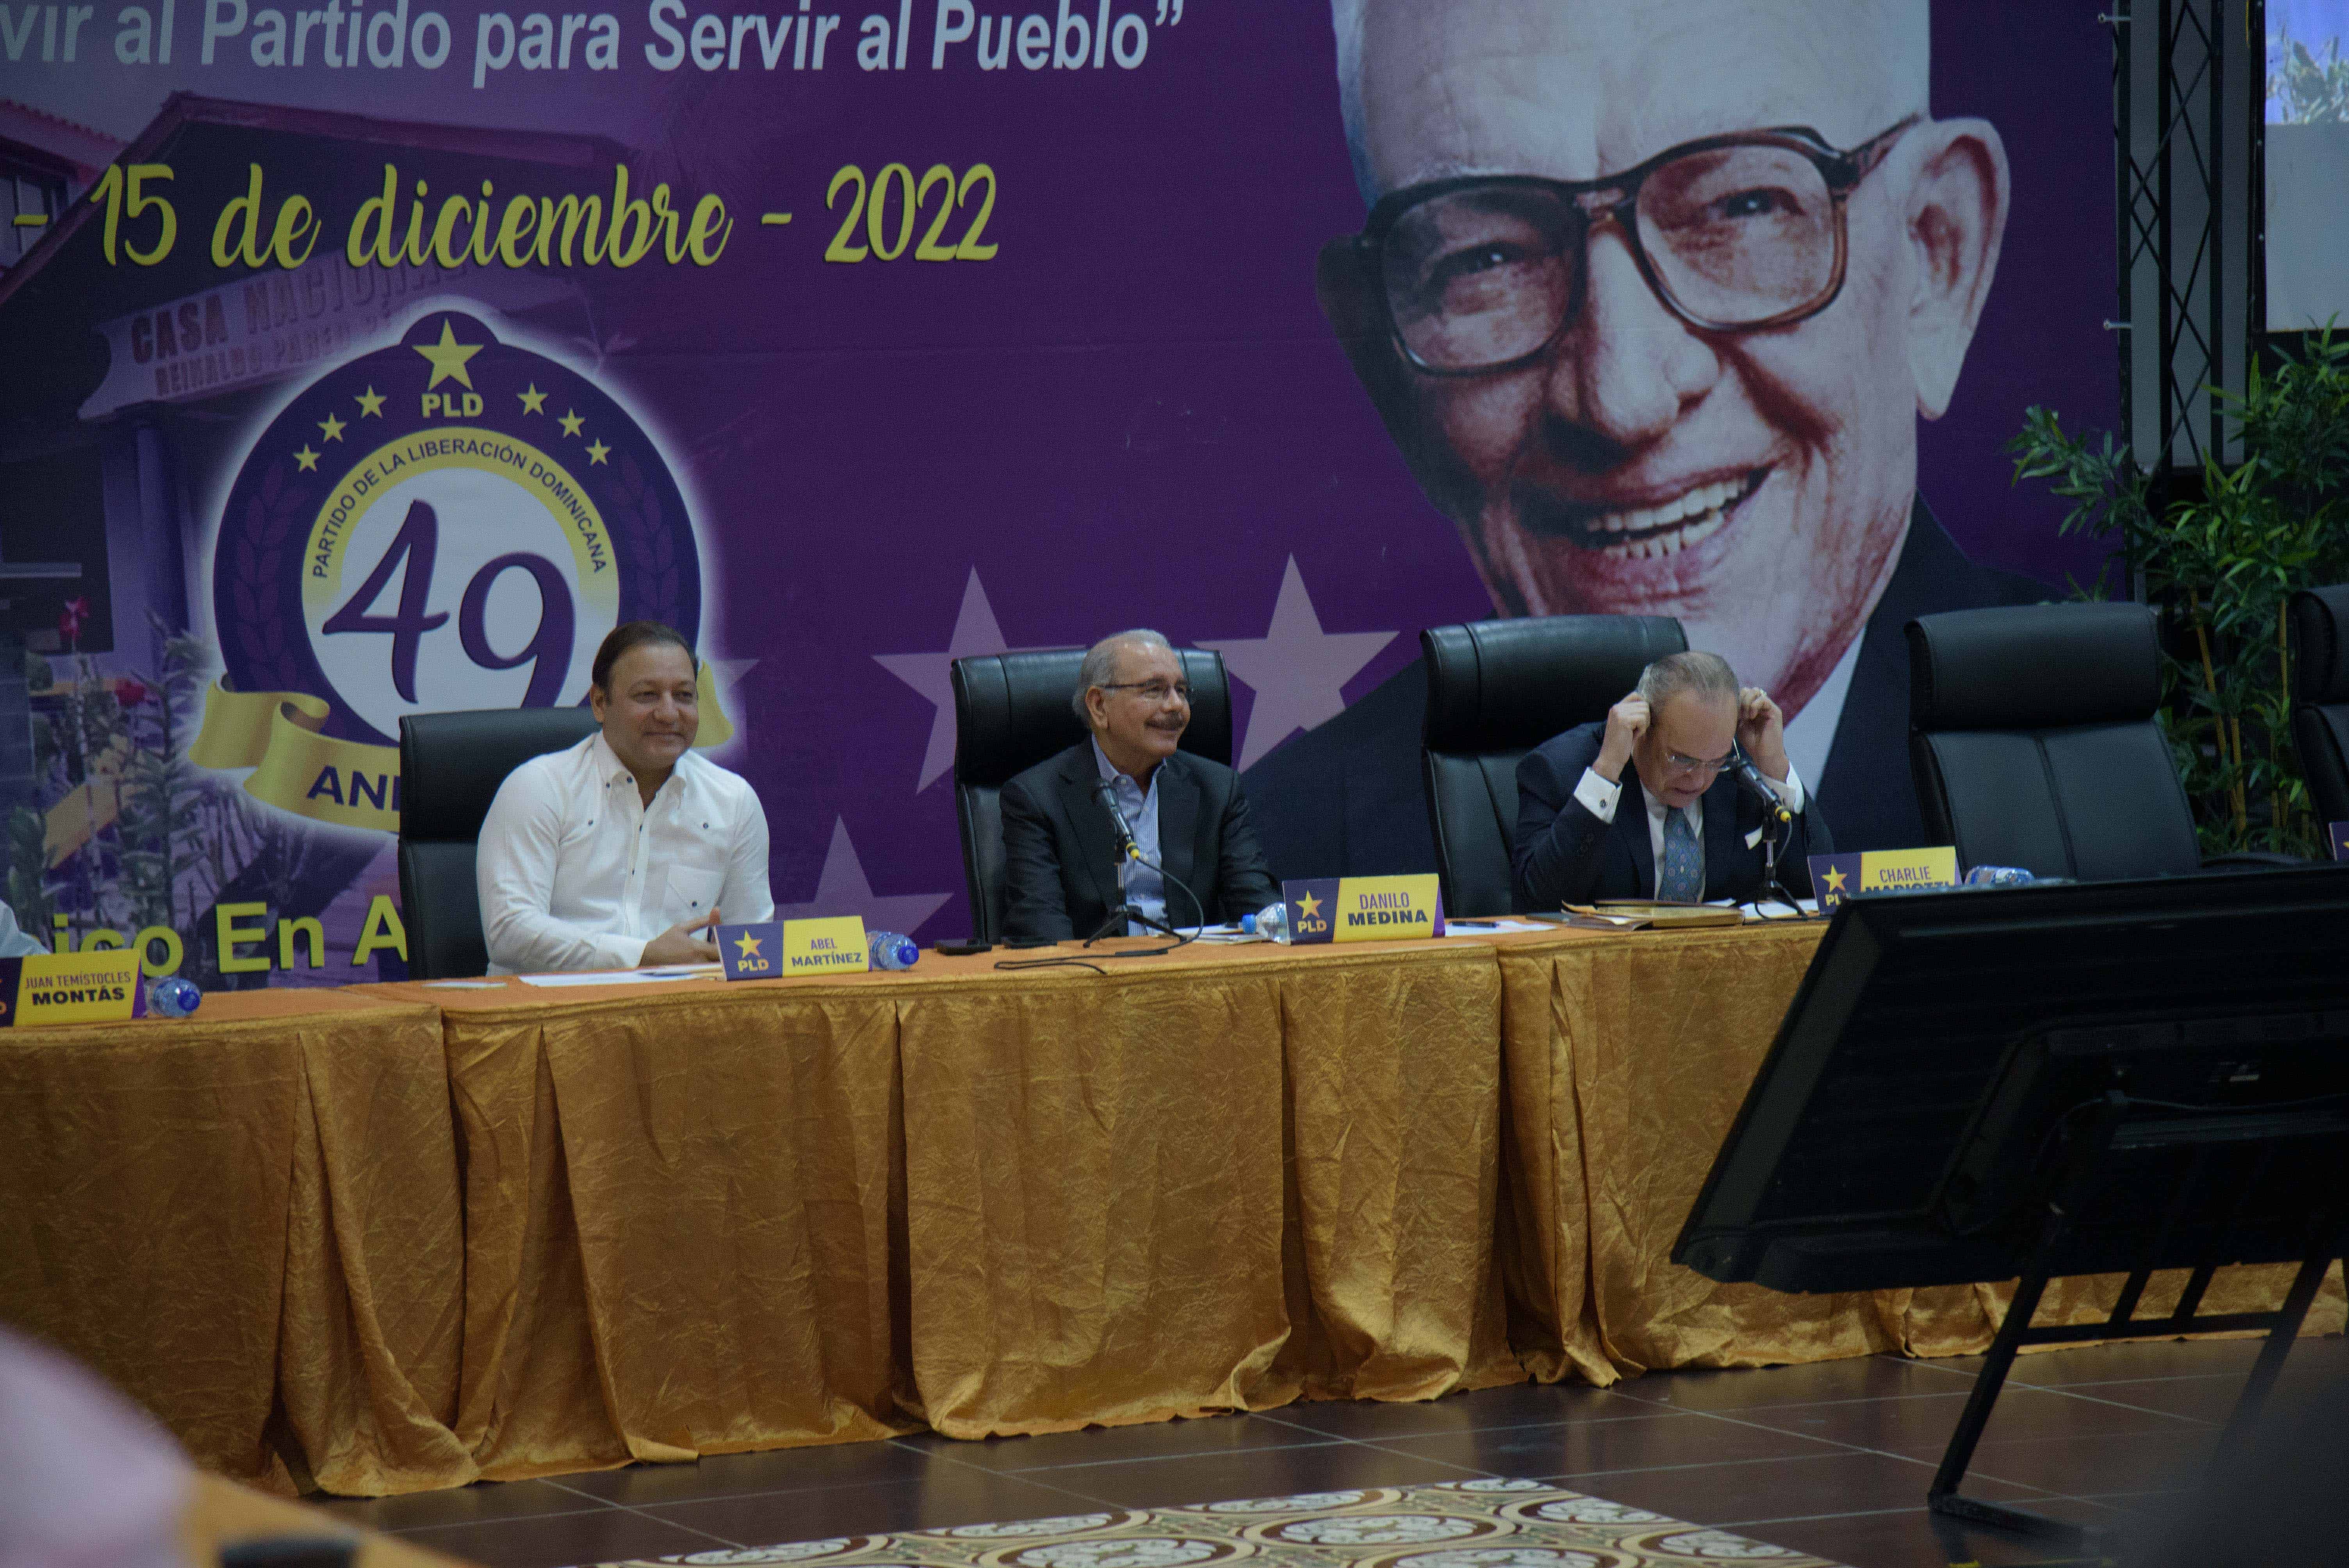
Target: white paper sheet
[(1494, 926), (623, 977)]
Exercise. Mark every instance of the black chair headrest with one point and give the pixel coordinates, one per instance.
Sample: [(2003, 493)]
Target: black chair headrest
[(1019, 711), (2320, 653), (451, 764), (1508, 685), (2033, 666)]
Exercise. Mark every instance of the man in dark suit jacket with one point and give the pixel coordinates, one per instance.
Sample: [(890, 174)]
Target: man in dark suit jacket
[(1188, 815), (1641, 806), (1346, 799)]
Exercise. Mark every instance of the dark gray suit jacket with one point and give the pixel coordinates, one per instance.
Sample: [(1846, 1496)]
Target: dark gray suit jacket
[(1060, 852), (1563, 854)]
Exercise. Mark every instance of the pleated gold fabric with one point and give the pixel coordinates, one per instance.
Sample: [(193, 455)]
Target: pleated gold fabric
[(251, 1208)]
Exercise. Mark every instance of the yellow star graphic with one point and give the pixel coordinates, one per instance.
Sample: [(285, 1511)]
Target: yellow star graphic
[(1836, 879), (1308, 907), (447, 358), (747, 947), (332, 427), (306, 459), (533, 400), (598, 451), (370, 404), (571, 422)]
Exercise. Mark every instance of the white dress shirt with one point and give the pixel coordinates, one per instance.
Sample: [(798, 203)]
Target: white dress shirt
[(1143, 885), (576, 872), (1600, 797)]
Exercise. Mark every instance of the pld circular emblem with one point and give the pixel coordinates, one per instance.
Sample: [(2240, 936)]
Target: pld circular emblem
[(450, 523)]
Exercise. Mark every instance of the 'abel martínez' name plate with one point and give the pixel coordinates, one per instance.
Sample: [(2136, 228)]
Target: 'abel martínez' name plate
[(780, 948), (1363, 909), (96, 987), (1836, 878)]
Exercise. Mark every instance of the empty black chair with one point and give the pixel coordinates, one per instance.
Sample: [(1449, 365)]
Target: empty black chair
[(1496, 690), (1012, 712), (2320, 695), (2033, 742), (451, 765)]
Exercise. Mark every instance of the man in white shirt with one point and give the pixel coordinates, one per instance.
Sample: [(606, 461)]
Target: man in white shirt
[(1700, 836), (617, 852)]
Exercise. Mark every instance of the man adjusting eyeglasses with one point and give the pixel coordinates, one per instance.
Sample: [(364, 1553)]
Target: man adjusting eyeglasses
[(1652, 298), (1642, 805)]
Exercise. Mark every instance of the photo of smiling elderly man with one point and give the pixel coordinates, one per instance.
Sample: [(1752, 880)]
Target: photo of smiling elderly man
[(1652, 298)]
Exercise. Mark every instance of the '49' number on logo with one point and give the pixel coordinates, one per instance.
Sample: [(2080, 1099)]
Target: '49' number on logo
[(412, 556)]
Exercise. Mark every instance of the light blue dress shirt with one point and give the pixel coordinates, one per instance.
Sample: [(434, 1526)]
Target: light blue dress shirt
[(1144, 886), (15, 944)]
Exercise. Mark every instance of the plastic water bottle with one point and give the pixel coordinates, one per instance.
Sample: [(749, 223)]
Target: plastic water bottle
[(891, 951), (1272, 921), (173, 997), (1999, 876)]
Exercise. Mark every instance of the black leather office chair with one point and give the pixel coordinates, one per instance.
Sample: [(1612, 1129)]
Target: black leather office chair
[(2318, 629), (1496, 690), (451, 765), (1012, 711), (2033, 742)]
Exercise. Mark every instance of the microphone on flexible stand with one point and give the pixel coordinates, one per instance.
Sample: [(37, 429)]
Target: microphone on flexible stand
[(1749, 779), (1127, 850), (1775, 815)]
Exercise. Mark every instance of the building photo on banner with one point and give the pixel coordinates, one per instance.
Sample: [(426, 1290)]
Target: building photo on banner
[(378, 361)]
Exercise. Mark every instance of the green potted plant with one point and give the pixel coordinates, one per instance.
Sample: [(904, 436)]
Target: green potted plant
[(2219, 565)]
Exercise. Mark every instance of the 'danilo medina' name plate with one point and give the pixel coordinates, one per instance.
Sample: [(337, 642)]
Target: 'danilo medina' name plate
[(98, 987), (2339, 833), (1363, 909), (1837, 877), (777, 949)]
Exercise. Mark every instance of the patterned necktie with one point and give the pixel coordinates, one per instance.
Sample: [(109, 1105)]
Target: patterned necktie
[(1681, 880)]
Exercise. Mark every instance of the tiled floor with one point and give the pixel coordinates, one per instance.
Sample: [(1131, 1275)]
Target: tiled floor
[(1831, 1460)]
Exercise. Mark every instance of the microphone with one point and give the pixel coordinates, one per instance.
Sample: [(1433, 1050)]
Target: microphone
[(1749, 779), (1127, 850)]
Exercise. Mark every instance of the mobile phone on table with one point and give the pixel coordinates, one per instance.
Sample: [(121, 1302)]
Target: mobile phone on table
[(961, 949)]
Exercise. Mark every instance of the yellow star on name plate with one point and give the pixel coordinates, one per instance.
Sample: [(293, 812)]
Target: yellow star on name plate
[(598, 451), (370, 404), (1836, 879), (1308, 907), (534, 401), (747, 947), (571, 422), (305, 459), (447, 358), (331, 428)]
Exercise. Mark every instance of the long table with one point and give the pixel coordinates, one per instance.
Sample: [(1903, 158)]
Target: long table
[(701, 1218)]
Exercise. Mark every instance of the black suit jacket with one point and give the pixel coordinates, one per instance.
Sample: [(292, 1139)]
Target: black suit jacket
[(1061, 852), (1346, 799), (1563, 854)]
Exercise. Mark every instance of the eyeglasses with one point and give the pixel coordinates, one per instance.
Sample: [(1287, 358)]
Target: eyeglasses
[(1680, 764), (1154, 692), (1733, 233)]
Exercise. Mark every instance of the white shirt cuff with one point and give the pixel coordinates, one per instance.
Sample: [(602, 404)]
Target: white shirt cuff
[(627, 952), (1599, 797), (1788, 789)]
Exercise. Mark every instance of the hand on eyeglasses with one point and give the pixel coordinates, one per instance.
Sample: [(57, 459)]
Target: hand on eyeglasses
[(1762, 731), (1626, 722)]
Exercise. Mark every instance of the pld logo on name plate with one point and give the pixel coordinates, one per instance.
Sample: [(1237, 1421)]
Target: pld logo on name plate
[(450, 523)]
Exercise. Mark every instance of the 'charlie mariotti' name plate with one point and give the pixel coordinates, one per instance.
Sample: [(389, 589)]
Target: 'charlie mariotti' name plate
[(99, 986), (1363, 909), (2339, 833), (1837, 877), (776, 949)]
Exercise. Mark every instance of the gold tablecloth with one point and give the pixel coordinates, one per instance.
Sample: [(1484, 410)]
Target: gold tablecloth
[(249, 1208), (701, 1217)]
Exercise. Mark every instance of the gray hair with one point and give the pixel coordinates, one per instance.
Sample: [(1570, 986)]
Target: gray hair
[(1100, 668), (1696, 673)]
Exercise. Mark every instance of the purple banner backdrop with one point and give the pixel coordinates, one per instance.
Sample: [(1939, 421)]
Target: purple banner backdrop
[(1131, 411)]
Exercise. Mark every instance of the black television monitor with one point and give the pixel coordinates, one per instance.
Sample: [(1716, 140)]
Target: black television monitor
[(1926, 1077)]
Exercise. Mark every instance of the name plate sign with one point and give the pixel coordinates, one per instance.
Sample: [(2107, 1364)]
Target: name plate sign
[(99, 986), (1363, 909), (776, 949), (2339, 833), (1835, 878)]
